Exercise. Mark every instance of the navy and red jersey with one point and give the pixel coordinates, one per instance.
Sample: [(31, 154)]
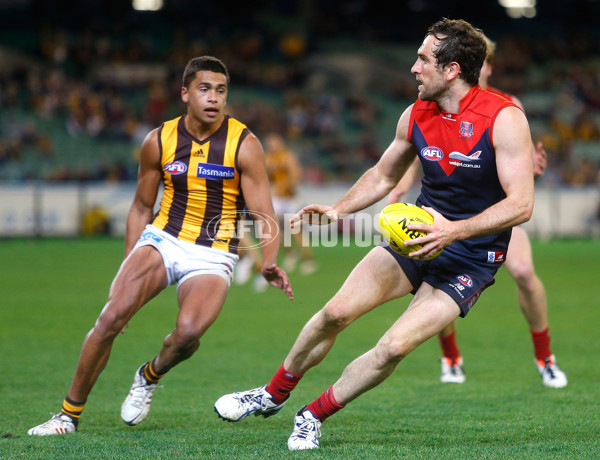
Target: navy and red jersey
[(459, 164)]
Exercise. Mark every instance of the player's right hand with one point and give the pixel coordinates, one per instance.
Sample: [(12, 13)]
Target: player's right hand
[(278, 278), (438, 236), (316, 214)]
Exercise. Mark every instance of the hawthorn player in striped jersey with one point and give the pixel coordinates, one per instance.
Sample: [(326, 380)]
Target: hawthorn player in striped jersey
[(212, 167)]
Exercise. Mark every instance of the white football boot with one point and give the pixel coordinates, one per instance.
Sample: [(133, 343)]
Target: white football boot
[(235, 406), (58, 424), (306, 432), (552, 375), (452, 371), (136, 406)]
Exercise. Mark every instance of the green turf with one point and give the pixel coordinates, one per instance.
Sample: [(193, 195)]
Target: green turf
[(52, 291)]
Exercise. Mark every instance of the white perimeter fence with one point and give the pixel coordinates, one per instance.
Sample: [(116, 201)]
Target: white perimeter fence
[(57, 210)]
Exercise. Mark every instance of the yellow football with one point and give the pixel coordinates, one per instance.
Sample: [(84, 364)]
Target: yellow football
[(393, 225)]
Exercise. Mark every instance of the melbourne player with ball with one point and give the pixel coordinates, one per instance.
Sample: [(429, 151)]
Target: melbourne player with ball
[(394, 221), (476, 152)]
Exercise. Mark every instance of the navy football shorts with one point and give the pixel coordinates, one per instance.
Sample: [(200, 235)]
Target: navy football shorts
[(461, 278)]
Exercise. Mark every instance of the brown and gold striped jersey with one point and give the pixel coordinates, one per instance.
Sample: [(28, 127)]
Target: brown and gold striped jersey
[(202, 200)]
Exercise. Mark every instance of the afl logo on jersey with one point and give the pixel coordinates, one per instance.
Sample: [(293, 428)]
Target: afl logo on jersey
[(175, 168), (432, 153)]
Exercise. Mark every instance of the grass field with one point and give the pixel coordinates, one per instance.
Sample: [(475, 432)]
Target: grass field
[(52, 291)]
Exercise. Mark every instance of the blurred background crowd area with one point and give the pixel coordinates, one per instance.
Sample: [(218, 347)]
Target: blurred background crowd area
[(82, 83)]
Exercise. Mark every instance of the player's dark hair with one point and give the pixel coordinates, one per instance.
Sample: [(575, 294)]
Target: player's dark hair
[(459, 42), (208, 63)]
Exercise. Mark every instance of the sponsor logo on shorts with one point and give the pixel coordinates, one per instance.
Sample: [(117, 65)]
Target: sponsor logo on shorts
[(496, 257), (458, 288), (175, 168), (150, 236), (215, 172)]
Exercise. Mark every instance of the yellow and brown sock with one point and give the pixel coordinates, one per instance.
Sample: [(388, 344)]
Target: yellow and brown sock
[(73, 409), (149, 372)]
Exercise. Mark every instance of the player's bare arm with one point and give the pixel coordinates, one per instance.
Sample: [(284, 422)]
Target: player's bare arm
[(405, 183), (149, 177), (514, 162), (514, 153), (255, 187), (373, 185)]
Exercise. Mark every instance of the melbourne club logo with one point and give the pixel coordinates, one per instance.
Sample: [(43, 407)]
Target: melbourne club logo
[(466, 129)]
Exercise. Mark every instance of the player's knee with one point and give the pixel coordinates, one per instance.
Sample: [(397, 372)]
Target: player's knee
[(109, 324), (524, 276), (335, 316), (186, 340), (391, 350)]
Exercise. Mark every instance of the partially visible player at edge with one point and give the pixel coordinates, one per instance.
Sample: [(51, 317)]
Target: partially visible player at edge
[(211, 166), (519, 263), (477, 155)]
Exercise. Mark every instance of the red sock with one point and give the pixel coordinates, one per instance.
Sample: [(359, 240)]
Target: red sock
[(449, 348), (325, 405), (282, 383), (541, 343)]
